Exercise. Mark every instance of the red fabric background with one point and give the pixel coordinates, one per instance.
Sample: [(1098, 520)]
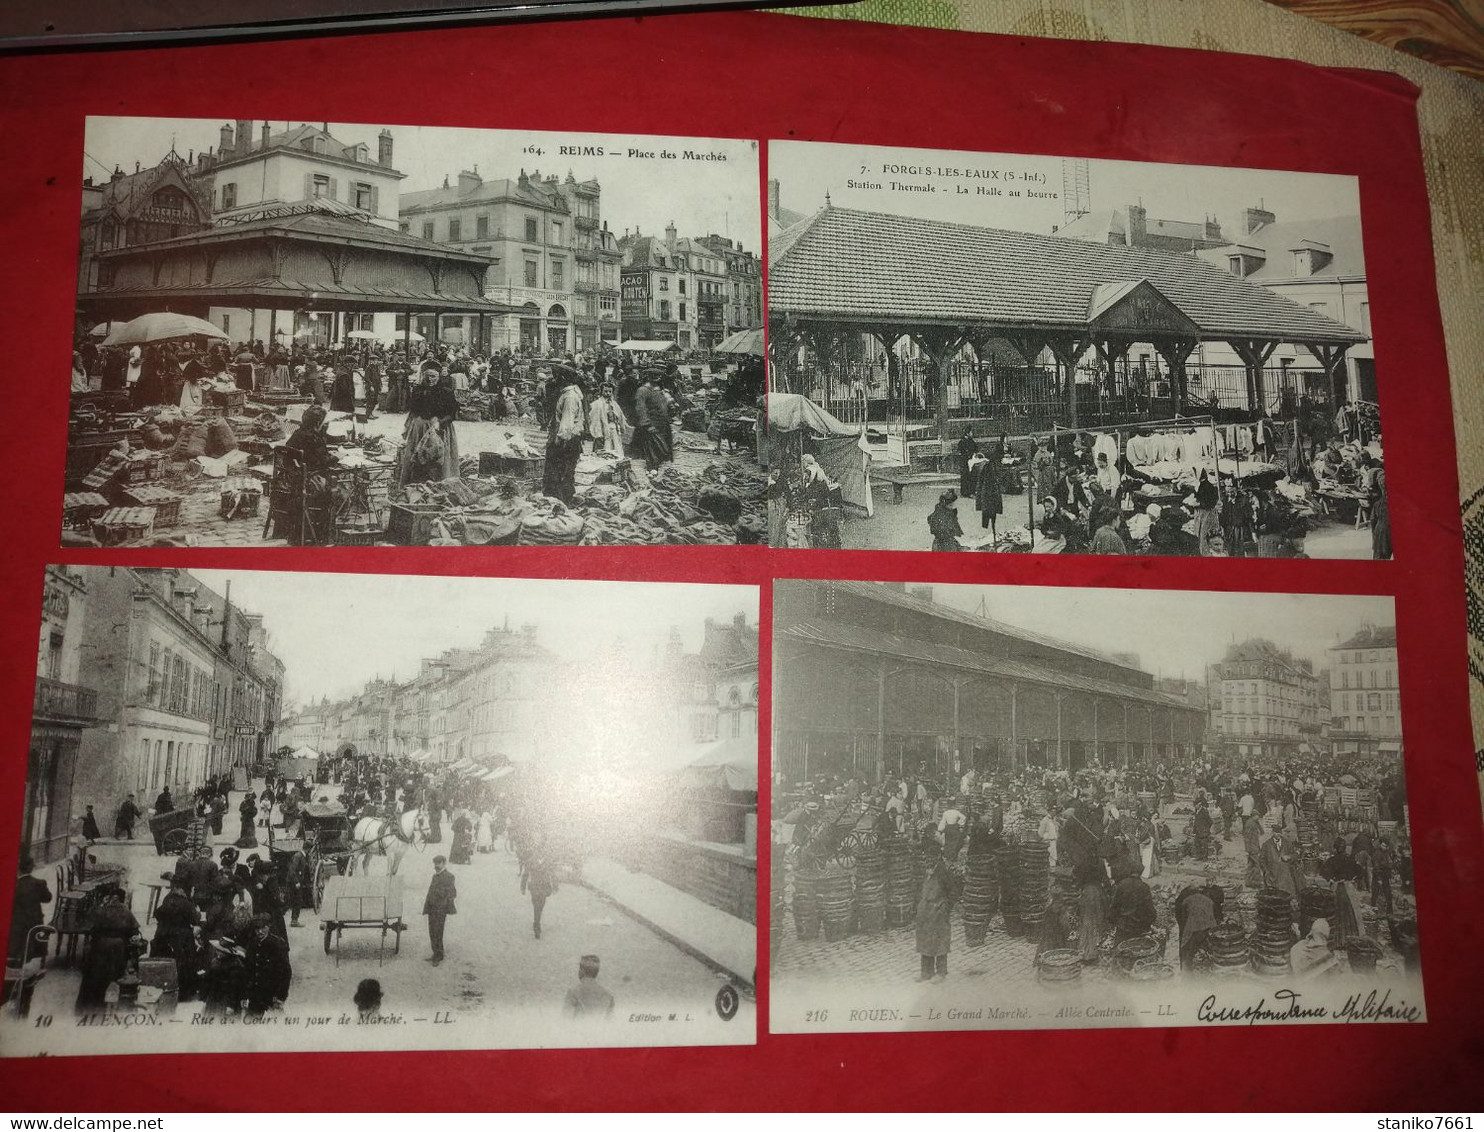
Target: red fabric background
[(758, 76)]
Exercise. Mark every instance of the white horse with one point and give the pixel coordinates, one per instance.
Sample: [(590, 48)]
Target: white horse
[(382, 837)]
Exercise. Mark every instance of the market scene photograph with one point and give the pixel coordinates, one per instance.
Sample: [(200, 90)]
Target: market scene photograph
[(416, 812), (319, 333), (1019, 353), (1045, 807)]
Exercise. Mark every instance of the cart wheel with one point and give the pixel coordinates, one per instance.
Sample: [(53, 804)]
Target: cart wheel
[(329, 928), (174, 842), (322, 877)]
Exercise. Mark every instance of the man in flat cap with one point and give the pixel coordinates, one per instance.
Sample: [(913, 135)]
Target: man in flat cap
[(439, 905), (564, 435)]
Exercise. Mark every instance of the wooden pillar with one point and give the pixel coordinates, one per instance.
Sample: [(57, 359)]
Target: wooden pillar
[(958, 688), (1067, 351), (1058, 732), (1014, 724), (1332, 358), (880, 717), (1175, 352), (941, 346), (1110, 352), (1254, 354)]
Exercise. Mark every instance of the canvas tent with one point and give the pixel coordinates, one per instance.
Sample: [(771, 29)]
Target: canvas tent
[(839, 448), (730, 764), (646, 345)]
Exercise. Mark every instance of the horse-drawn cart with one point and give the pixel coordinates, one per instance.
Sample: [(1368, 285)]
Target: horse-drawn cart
[(362, 902), (839, 835), (325, 844)]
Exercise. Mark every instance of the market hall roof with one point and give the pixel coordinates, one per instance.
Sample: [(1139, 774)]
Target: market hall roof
[(849, 266), (856, 638), (353, 264)]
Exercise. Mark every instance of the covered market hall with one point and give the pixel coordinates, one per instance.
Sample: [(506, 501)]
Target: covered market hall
[(900, 683), (316, 256), (1004, 325)]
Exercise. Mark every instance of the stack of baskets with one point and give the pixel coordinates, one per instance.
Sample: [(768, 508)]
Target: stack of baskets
[(1006, 858), (901, 890), (870, 889), (1032, 883), (1315, 903), (981, 896), (834, 893), (1308, 833), (1226, 947), (806, 904), (1061, 966), (1273, 937)]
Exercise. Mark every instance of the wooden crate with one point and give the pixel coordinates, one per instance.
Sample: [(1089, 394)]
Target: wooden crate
[(148, 468), (119, 525), (241, 496), (166, 503), (225, 404), (80, 508), (411, 524)]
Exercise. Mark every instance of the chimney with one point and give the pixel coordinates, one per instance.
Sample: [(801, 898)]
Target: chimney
[(469, 180), (87, 182), (244, 135), (773, 195), (1138, 226), (384, 149), (1255, 218), (116, 175), (226, 139), (670, 236), (267, 134), (1213, 229), (921, 593)]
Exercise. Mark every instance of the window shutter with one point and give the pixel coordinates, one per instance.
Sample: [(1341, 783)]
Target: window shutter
[(334, 188), (375, 200), (308, 186)]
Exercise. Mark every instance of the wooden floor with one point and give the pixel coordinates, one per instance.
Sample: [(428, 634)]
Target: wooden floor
[(1448, 33)]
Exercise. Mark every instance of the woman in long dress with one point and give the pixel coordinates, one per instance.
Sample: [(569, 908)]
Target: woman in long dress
[(943, 523), (430, 447), (114, 928), (987, 497)]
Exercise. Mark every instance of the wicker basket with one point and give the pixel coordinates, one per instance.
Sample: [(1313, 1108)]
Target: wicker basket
[(356, 536), (522, 467), (144, 469)]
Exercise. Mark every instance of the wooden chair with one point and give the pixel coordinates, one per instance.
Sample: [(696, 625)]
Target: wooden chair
[(288, 509)]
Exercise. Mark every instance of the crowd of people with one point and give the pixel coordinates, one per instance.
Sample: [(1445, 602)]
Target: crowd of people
[(1108, 835)]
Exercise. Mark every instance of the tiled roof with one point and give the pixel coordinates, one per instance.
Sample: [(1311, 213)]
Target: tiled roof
[(854, 638), (1382, 637), (847, 264), (536, 193), (877, 591), (1341, 233)]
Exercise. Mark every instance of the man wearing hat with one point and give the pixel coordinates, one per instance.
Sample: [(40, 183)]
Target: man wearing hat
[(175, 933), (564, 436), (269, 972), (438, 905)]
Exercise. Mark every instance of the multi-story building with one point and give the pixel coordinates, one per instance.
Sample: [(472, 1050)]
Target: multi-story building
[(555, 259), (1364, 696), (158, 203), (184, 691), (63, 709), (674, 290), (744, 283), (1269, 700), (481, 703)]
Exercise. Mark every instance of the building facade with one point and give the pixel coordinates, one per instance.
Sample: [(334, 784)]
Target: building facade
[(62, 710), (674, 290), (183, 692), (554, 258), (1269, 700), (871, 680), (743, 308), (142, 207), (1364, 694)]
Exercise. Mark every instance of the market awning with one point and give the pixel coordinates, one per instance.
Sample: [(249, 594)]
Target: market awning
[(731, 763), (789, 412), (646, 345), (742, 342)]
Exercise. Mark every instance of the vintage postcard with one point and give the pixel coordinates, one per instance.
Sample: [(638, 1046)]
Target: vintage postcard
[(322, 333), (1012, 353), (270, 811), (1023, 808)]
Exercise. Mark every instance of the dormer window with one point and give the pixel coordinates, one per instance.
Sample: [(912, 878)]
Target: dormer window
[(1234, 265)]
